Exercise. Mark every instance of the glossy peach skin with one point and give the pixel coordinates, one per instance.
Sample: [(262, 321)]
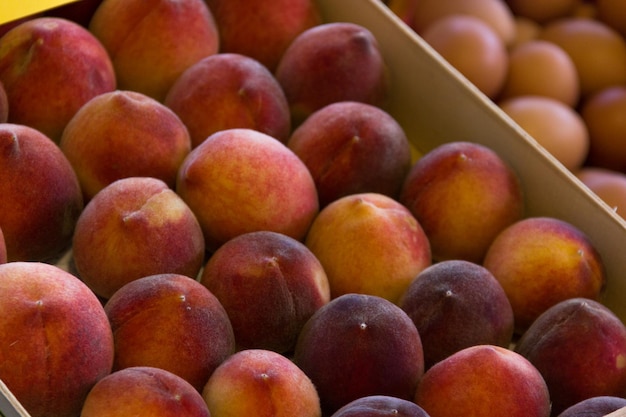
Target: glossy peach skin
[(540, 261), (369, 243), (41, 197), (172, 322), (352, 147), (152, 42), (483, 380), (144, 391), (133, 228), (124, 134), (241, 180), (261, 383), (262, 30), (228, 90), (269, 284), (56, 339), (35, 62)]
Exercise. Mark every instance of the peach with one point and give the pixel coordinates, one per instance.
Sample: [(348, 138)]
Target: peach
[(262, 30), (579, 346), (463, 194), (598, 406), (228, 90), (144, 391), (332, 62), (261, 383), (270, 284), (483, 380), (369, 243), (607, 184), (560, 258), (133, 228), (152, 42), (45, 81), (352, 147), (3, 249), (57, 342), (172, 322), (359, 345), (4, 104), (380, 406), (457, 304), (124, 134), (241, 180), (37, 224)]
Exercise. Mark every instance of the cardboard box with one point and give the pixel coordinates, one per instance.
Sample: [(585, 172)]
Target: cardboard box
[(435, 105)]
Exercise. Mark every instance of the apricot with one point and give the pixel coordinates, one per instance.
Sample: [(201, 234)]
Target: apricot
[(484, 380), (144, 391), (56, 339), (579, 346), (172, 322), (135, 227), (226, 91), (332, 62), (368, 243), (359, 345), (457, 304), (540, 261), (352, 147), (269, 284), (463, 194), (261, 383)]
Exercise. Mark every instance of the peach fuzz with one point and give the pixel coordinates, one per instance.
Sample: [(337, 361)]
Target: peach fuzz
[(370, 244), (241, 180), (38, 224), (133, 228), (484, 380), (124, 134), (144, 391), (352, 147), (359, 345), (35, 61), (57, 342), (152, 42), (540, 261), (332, 62), (463, 194), (269, 284), (172, 322), (226, 91), (261, 383)]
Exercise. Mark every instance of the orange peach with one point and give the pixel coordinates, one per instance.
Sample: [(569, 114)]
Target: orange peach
[(463, 194), (144, 391), (41, 197), (359, 345), (269, 284), (352, 147), (46, 82), (579, 346), (152, 42), (241, 180), (57, 342), (457, 304), (262, 30), (124, 134), (369, 243), (332, 62), (172, 322), (484, 380), (133, 228), (228, 90), (261, 383), (540, 261)]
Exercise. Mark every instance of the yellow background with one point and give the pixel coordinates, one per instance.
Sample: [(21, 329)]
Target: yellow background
[(14, 9)]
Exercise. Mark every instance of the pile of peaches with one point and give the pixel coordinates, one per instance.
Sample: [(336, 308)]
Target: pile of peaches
[(206, 210)]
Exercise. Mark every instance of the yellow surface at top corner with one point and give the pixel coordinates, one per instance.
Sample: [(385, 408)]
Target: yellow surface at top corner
[(15, 9)]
